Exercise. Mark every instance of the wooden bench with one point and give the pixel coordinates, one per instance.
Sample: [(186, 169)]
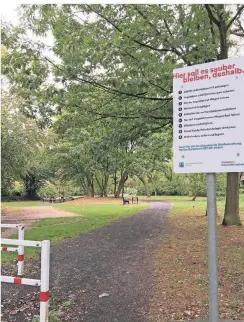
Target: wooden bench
[(134, 199), (57, 200)]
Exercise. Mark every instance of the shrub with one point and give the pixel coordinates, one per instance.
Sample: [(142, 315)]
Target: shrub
[(48, 191)]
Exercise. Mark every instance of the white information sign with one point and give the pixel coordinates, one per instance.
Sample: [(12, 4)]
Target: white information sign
[(209, 117)]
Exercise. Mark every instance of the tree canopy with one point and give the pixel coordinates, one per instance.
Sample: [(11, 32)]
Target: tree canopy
[(104, 81)]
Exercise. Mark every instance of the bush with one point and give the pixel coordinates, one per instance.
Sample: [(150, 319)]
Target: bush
[(48, 191), (177, 186), (131, 191)]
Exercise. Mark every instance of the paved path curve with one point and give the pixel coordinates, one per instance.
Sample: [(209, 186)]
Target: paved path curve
[(117, 260)]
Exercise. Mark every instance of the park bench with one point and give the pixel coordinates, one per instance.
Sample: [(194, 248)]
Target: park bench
[(57, 200), (125, 200), (54, 200), (134, 199)]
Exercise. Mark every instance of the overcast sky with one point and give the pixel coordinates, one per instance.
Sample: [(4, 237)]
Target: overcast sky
[(8, 12)]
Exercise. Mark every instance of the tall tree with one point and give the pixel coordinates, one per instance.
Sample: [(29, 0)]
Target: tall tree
[(220, 17), (23, 147), (135, 71)]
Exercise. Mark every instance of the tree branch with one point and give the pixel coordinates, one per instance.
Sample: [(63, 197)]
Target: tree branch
[(109, 89), (145, 18), (211, 15), (111, 115), (238, 34), (143, 73), (239, 11), (134, 40), (172, 49)]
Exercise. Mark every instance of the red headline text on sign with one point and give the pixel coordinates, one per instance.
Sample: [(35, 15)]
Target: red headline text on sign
[(208, 73)]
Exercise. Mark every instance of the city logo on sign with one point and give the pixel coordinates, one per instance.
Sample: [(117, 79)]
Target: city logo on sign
[(181, 164)]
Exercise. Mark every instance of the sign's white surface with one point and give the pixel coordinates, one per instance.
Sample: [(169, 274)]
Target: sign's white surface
[(208, 117)]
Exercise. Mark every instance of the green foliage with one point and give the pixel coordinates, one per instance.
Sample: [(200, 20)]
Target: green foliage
[(48, 191), (131, 191), (20, 142), (53, 316), (56, 310), (129, 82), (106, 89), (220, 184), (197, 184), (178, 185)]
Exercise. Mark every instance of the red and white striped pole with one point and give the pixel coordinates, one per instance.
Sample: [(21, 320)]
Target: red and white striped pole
[(19, 249), (21, 236), (20, 280), (44, 294)]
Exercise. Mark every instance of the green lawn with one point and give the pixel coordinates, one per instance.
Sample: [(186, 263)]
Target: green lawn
[(185, 202), (90, 217)]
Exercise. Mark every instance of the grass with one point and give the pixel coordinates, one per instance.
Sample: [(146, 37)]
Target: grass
[(185, 203), (56, 310), (165, 198), (90, 217), (181, 270)]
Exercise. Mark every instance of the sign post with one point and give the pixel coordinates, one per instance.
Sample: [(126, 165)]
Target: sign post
[(212, 248), (208, 138)]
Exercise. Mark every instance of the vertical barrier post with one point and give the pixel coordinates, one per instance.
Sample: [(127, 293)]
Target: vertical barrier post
[(21, 236), (45, 264)]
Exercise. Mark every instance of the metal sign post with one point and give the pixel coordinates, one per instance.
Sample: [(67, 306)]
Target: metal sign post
[(212, 248), (207, 122)]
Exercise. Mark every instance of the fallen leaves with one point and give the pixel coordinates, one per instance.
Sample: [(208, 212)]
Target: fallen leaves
[(181, 271)]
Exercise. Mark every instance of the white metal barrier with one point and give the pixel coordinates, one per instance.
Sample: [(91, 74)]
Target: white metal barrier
[(43, 282), (19, 249)]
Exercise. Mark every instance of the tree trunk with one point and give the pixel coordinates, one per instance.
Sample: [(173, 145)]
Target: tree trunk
[(115, 182), (30, 185), (100, 186), (123, 191), (153, 184), (103, 185), (194, 198), (232, 216), (145, 185), (90, 186), (124, 177)]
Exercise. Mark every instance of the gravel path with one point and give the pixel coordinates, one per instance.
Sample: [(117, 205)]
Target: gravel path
[(115, 260)]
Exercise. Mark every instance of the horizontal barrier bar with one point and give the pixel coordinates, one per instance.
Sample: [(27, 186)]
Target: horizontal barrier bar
[(6, 241), (45, 267), (9, 249), (19, 280), (10, 225)]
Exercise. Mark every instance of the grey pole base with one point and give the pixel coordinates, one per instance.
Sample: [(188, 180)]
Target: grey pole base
[(212, 249)]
